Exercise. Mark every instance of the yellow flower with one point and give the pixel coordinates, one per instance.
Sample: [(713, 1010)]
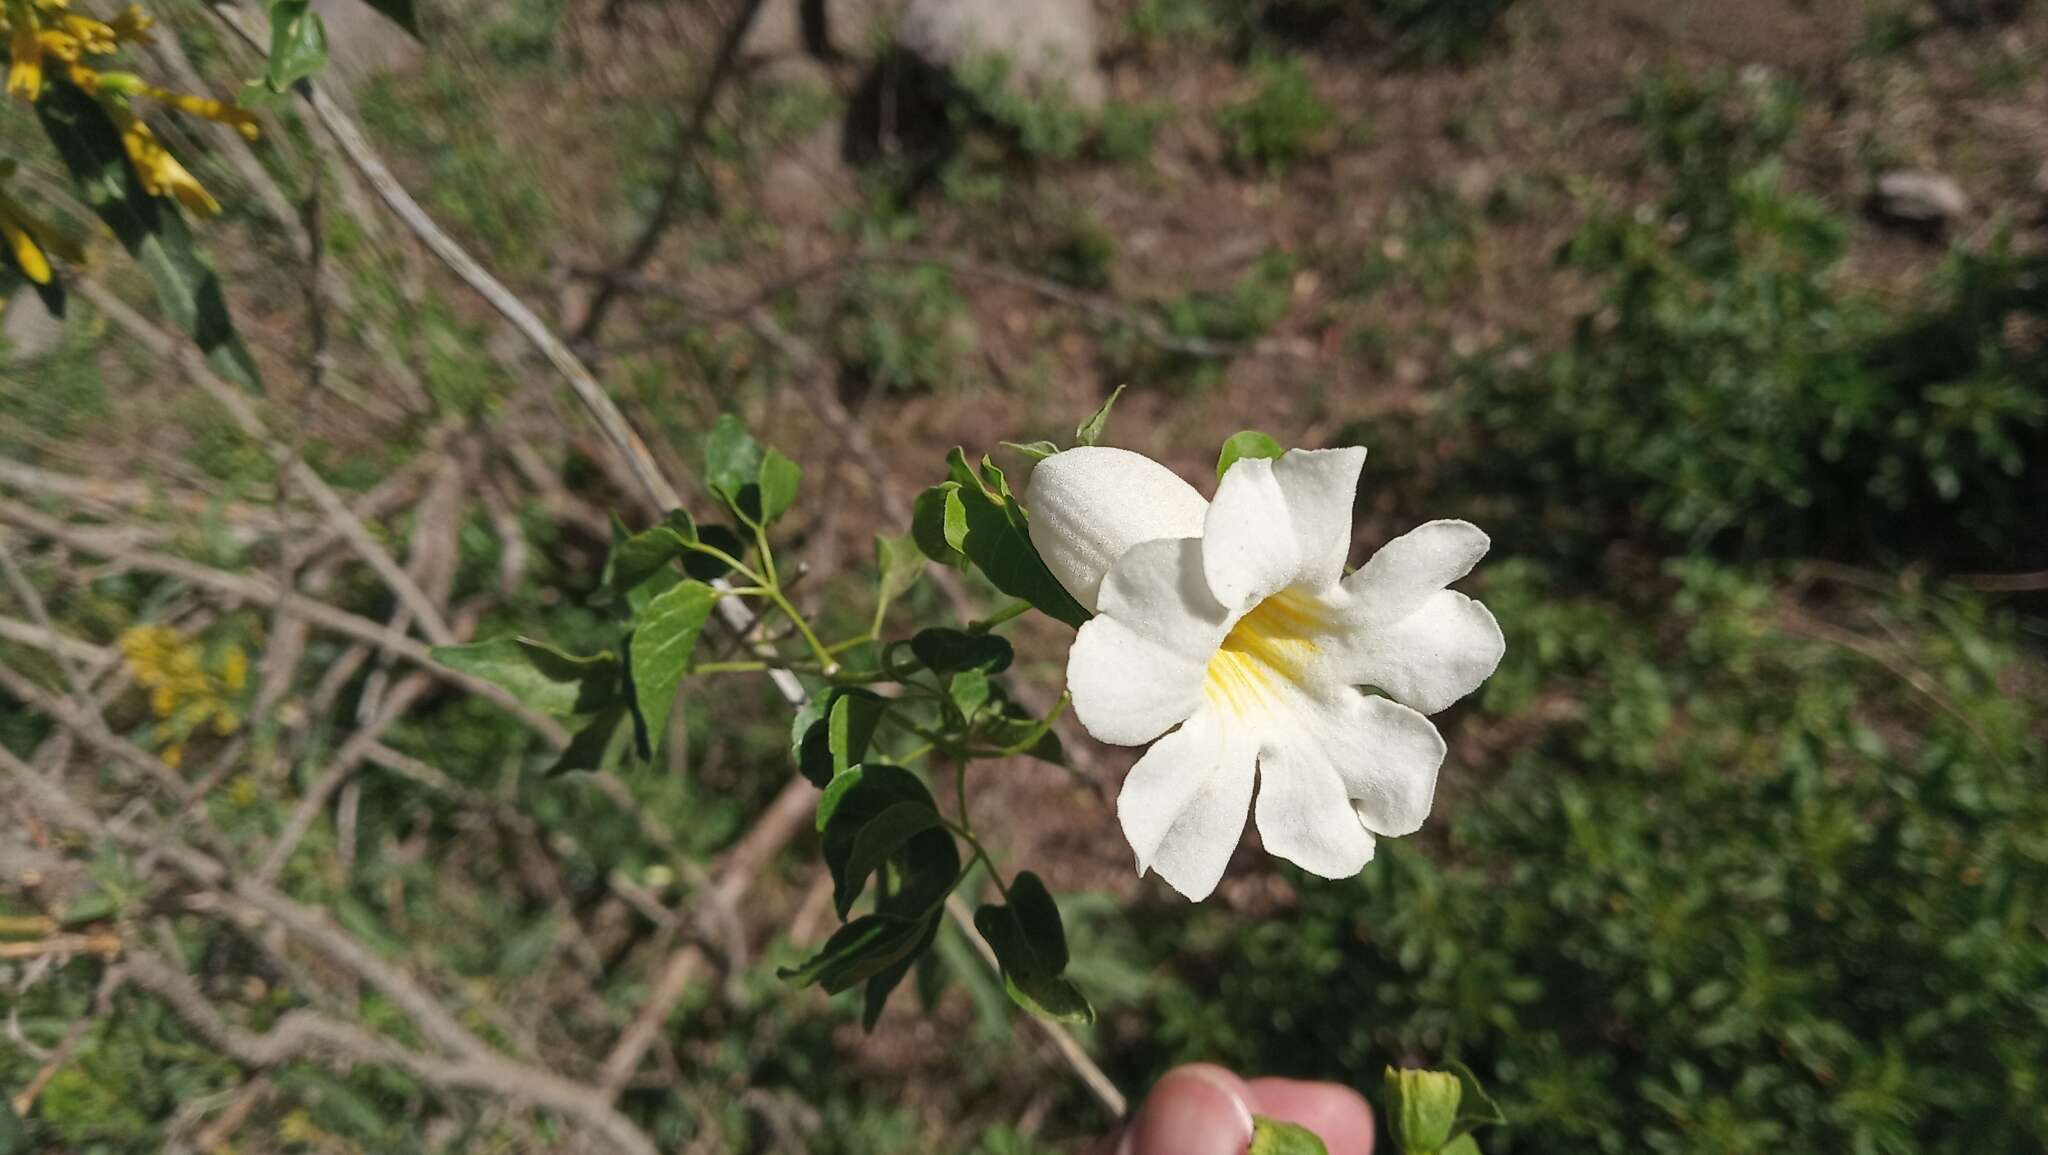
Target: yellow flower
[(25, 51), (159, 171)]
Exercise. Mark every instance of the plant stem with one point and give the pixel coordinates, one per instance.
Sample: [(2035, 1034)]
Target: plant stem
[(1007, 613)]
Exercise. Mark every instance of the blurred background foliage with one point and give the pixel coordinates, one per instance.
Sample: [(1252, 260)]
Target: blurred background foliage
[(1745, 848)]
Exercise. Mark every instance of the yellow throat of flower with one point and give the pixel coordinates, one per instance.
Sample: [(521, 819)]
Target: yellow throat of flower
[(1268, 652)]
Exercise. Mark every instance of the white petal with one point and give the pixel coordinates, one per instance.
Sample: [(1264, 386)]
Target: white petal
[(1280, 523), (1183, 806), (1387, 754), (1138, 666), (1303, 812), (1089, 505), (1127, 688), (1430, 658), (1411, 567), (1157, 588)]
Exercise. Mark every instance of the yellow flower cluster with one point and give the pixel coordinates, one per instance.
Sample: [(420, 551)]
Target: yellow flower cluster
[(183, 694), (46, 40)]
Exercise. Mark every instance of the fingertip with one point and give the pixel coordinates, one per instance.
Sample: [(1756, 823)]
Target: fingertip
[(1199, 1109), (1337, 1114)]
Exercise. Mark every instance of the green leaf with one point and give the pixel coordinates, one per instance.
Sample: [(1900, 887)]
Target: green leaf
[(969, 692), (544, 678), (860, 950), (1422, 1107), (732, 466), (298, 43), (150, 228), (1249, 443), (1013, 726), (910, 832), (599, 745), (879, 839), (658, 654), (1035, 450), (879, 987), (401, 13), (851, 726), (778, 480), (943, 650), (938, 523), (993, 533), (1031, 945), (1462, 1145), (832, 732), (1090, 431), (1476, 1108), (898, 563), (1274, 1137)]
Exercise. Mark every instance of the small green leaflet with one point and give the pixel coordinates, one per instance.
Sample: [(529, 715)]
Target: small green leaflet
[(298, 43), (832, 732), (549, 680), (1090, 431), (944, 650), (1249, 443), (732, 463), (778, 479), (898, 565), (659, 653), (862, 949), (1035, 450), (1031, 945), (1274, 1137), (975, 518)]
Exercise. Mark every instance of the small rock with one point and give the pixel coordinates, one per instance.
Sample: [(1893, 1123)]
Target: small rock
[(27, 328), (1050, 45), (1920, 197)]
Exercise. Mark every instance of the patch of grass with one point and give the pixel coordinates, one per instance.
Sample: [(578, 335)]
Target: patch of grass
[(1728, 390), (1280, 124), (903, 327), (1245, 311)]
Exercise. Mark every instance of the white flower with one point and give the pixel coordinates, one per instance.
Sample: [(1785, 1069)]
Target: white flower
[(1234, 621)]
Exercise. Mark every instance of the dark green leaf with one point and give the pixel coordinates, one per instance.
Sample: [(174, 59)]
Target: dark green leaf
[(778, 481), (944, 651), (636, 556), (938, 523), (298, 43), (877, 995), (1274, 1137), (860, 950), (846, 814), (993, 533), (879, 839), (724, 539), (1090, 431), (835, 730), (1031, 945), (599, 745), (546, 679), (1024, 734), (150, 228), (401, 13), (1249, 443), (664, 637), (835, 792)]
